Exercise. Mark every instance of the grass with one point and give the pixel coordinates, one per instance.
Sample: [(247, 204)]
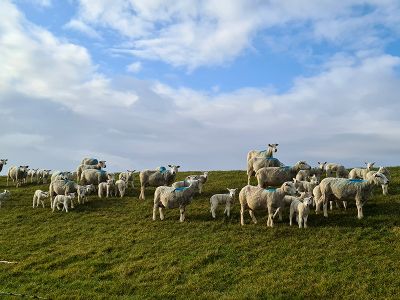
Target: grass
[(110, 248)]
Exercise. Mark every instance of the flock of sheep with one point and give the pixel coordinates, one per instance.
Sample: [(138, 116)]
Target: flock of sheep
[(298, 186)]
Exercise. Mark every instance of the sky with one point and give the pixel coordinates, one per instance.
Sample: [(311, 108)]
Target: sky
[(198, 84)]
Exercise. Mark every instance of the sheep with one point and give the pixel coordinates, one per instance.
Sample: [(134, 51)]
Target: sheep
[(304, 175), (63, 187), (265, 153), (83, 191), (65, 200), (57, 175), (256, 198), (17, 174), (43, 175), (102, 189), (343, 188), (202, 178), (226, 199), (32, 173), (93, 176), (331, 168), (38, 196), (169, 197), (111, 187), (89, 161), (256, 163), (385, 172), (121, 186), (157, 178), (361, 173), (3, 162), (301, 209), (186, 183), (4, 195), (128, 175), (306, 186), (275, 176), (99, 166)]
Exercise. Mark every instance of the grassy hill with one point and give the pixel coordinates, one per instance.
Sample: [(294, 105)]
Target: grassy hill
[(110, 248)]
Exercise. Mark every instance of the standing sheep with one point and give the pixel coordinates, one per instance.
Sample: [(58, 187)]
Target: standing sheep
[(226, 199), (202, 178), (256, 163), (99, 166), (17, 174), (306, 186), (93, 176), (301, 210), (332, 168), (65, 200), (43, 175), (157, 178), (102, 189), (128, 177), (89, 161), (63, 187), (169, 197), (361, 173), (343, 189), (275, 176), (32, 173), (257, 198), (385, 172), (38, 196), (3, 162), (4, 195), (111, 187), (265, 153), (121, 186)]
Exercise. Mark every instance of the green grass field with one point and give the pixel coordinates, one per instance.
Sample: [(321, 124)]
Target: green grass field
[(111, 248)]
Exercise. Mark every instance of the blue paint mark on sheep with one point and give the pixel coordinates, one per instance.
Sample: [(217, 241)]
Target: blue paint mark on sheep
[(356, 180), (271, 190), (163, 169), (180, 189)]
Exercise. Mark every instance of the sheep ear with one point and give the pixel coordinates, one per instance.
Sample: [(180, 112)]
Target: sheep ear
[(228, 189), (276, 144), (269, 145), (178, 167), (170, 166)]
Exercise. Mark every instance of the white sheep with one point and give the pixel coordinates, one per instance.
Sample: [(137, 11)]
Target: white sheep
[(43, 175), (99, 166), (257, 198), (169, 197), (306, 186), (39, 196), (385, 172), (64, 200), (83, 191), (155, 178), (102, 189), (4, 196), (121, 186), (128, 177), (93, 176), (360, 172), (111, 187), (226, 199), (342, 188), (334, 168), (258, 162), (265, 153), (17, 174), (202, 178), (32, 173), (89, 161), (301, 209), (3, 162)]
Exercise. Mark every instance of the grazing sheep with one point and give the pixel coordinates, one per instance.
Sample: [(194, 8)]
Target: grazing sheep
[(385, 172), (89, 161), (301, 209), (306, 186), (65, 200), (128, 175), (63, 187), (121, 186), (275, 176), (331, 168), (17, 174), (102, 189), (157, 178), (32, 173), (99, 166), (38, 196), (257, 198), (4, 196), (256, 163), (264, 153), (226, 199), (43, 176), (93, 176), (361, 173), (202, 178), (169, 197), (343, 189), (3, 162)]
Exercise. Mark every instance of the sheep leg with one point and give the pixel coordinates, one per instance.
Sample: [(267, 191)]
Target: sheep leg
[(253, 217), (345, 205), (242, 214), (291, 216), (359, 207), (331, 205), (155, 206), (161, 210), (270, 221), (66, 206), (142, 197), (182, 212), (34, 201), (305, 221), (300, 219), (228, 210), (325, 207), (281, 214), (42, 203), (213, 209)]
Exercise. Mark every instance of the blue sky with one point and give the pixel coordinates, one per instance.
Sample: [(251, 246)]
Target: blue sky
[(199, 83)]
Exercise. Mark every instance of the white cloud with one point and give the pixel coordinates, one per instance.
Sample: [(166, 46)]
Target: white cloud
[(134, 67), (202, 33), (82, 27)]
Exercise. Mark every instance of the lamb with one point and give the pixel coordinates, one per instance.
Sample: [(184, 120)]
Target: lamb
[(93, 176), (301, 210), (99, 166), (102, 189), (202, 178), (275, 176), (169, 197), (304, 175), (343, 188), (385, 172), (3, 162), (111, 187), (226, 199), (121, 186), (256, 163), (89, 161), (128, 176), (257, 198), (32, 173), (265, 153), (157, 178), (4, 195), (38, 196), (17, 174), (331, 168), (43, 175), (361, 173), (63, 199), (306, 186), (83, 191)]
